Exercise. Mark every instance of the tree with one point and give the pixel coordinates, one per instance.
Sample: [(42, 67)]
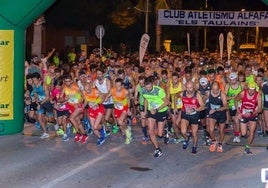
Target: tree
[(160, 4), (122, 17)]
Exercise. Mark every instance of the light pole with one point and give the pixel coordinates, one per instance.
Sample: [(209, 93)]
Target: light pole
[(205, 29), (146, 11), (146, 16)]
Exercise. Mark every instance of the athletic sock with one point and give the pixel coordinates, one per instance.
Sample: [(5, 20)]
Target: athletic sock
[(144, 130), (236, 133)]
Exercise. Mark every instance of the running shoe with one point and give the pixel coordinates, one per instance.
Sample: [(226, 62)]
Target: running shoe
[(65, 138), (208, 141), (185, 144), (259, 131), (247, 151), (166, 137), (68, 130), (103, 131), (236, 139), (74, 131), (78, 137), (157, 153), (190, 134), (86, 124), (194, 150), (128, 136), (37, 125), (145, 140), (60, 132), (108, 133), (179, 140), (84, 139), (115, 129), (100, 141), (44, 135), (176, 140), (212, 147), (89, 131), (56, 127), (219, 148)]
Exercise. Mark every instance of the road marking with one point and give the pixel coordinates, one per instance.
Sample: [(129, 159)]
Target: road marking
[(82, 167)]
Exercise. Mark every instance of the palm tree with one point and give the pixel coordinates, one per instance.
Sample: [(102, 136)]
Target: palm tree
[(160, 4), (163, 4), (123, 19), (121, 16), (37, 36)]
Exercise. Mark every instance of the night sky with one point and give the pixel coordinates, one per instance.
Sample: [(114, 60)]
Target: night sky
[(82, 13), (87, 14)]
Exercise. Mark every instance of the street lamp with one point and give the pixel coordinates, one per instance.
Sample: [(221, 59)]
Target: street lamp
[(205, 29), (146, 14)]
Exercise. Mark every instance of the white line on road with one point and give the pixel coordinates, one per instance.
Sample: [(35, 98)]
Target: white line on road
[(82, 167)]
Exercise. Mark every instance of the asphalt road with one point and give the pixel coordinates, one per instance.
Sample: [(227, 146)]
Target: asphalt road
[(29, 162)]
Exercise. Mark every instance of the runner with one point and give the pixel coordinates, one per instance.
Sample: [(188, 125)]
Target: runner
[(217, 106), (120, 97), (249, 76), (259, 82), (62, 111), (44, 107), (174, 89), (204, 89), (93, 98), (129, 85), (139, 100), (156, 111), (232, 89), (74, 103), (104, 86), (30, 104), (192, 104), (251, 106), (265, 107)]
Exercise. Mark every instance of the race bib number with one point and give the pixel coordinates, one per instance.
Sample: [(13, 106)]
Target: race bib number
[(73, 100), (41, 97), (92, 105), (62, 106), (179, 103), (247, 111), (154, 105), (118, 106), (190, 111), (233, 107), (266, 97), (214, 106), (108, 101)]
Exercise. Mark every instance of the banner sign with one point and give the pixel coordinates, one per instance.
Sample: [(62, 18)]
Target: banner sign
[(230, 42), (188, 43), (213, 18), (221, 40), (143, 46), (6, 74)]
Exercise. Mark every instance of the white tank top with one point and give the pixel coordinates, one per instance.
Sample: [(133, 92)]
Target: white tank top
[(103, 89)]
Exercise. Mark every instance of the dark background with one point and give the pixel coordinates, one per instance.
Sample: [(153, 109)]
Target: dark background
[(87, 14)]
